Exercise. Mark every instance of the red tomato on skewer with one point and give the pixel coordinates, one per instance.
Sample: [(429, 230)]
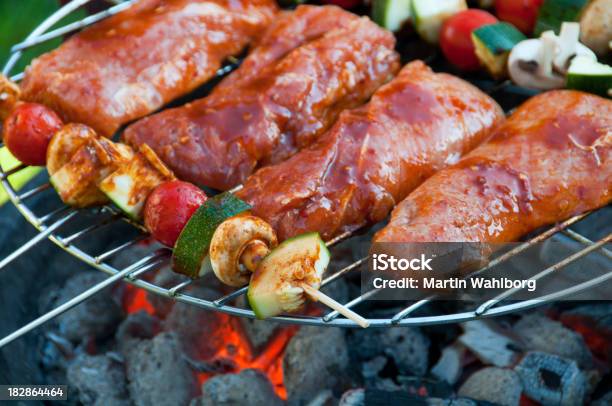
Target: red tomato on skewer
[(27, 132), (456, 37), (169, 207), (520, 13)]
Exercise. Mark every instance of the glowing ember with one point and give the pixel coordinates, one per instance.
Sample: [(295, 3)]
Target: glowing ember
[(135, 299), (233, 345)]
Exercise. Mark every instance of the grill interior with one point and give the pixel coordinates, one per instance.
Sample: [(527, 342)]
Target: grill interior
[(56, 225)]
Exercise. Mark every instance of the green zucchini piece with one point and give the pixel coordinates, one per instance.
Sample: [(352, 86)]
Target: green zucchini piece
[(130, 185), (428, 16), (391, 14), (590, 76), (493, 44), (554, 12), (191, 249), (274, 287)]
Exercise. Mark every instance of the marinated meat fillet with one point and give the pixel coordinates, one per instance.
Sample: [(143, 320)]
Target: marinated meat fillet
[(550, 160), (265, 117), (290, 30), (374, 155), (131, 64)]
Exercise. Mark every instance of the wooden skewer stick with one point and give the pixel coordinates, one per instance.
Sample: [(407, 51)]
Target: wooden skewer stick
[(340, 308)]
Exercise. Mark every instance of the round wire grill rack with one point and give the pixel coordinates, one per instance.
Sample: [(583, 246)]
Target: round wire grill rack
[(49, 225)]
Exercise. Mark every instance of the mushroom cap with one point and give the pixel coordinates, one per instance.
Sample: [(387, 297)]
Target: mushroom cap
[(229, 242), (524, 69)]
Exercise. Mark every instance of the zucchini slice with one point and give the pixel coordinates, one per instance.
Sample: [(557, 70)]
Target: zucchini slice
[(590, 76), (554, 12), (391, 14), (77, 181), (130, 185), (275, 285), (493, 44), (65, 143), (429, 16), (190, 256)]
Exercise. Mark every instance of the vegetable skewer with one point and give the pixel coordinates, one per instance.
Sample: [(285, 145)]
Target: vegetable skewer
[(243, 248)]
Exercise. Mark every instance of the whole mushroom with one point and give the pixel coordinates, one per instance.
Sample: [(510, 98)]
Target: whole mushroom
[(238, 246), (541, 63)]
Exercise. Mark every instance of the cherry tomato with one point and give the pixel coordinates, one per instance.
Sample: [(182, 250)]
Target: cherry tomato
[(520, 13), (169, 207), (28, 130), (456, 37), (347, 4)]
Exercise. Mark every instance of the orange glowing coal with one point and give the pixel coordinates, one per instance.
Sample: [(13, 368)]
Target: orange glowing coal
[(135, 300), (234, 347)]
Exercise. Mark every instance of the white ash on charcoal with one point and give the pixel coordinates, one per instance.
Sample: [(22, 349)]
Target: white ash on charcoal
[(416, 386), (372, 368), (385, 384), (500, 386), (353, 397), (405, 348), (95, 318), (449, 366), (135, 327), (259, 332), (550, 379), (158, 373), (315, 359), (540, 333), (492, 344), (323, 398), (57, 352), (98, 380), (199, 331), (143, 326), (249, 387)]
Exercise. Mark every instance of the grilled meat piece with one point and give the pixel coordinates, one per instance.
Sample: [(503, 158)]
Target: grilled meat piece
[(374, 155), (131, 64), (290, 30), (280, 101), (550, 160)]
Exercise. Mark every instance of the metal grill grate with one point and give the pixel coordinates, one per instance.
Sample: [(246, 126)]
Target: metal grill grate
[(48, 225)]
